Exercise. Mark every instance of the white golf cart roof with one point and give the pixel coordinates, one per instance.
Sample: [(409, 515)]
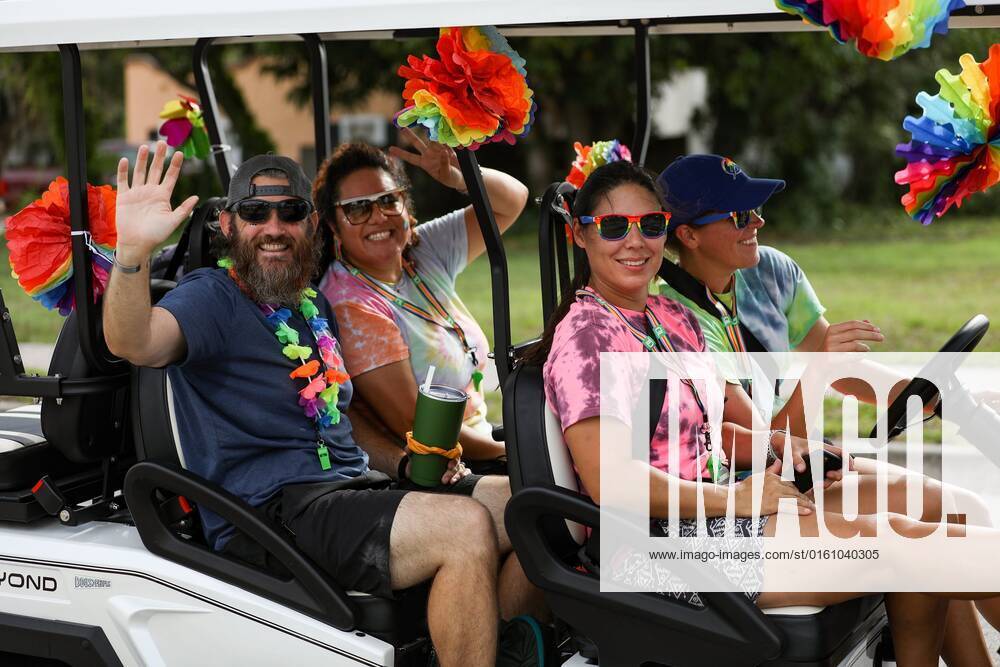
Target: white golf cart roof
[(40, 24)]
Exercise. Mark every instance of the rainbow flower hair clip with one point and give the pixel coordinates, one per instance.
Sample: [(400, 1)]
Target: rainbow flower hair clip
[(883, 29), (476, 93), (184, 127), (597, 154), (954, 150)]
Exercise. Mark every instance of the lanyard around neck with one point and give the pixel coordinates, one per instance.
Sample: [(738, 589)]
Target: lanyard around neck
[(729, 320), (395, 297), (660, 342)]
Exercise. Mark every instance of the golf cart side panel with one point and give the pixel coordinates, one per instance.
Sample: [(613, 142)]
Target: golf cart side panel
[(156, 612)]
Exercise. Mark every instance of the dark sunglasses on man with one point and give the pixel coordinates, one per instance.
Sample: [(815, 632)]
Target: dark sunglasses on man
[(741, 219), (615, 226), (258, 211), (358, 210)]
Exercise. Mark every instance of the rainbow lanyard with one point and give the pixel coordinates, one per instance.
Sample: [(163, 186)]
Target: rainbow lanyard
[(410, 307), (660, 342), (729, 320)]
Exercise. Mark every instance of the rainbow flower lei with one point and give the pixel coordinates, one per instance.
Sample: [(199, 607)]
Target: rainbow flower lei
[(319, 397)]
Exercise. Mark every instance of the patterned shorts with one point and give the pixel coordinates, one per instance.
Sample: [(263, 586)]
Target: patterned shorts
[(639, 570)]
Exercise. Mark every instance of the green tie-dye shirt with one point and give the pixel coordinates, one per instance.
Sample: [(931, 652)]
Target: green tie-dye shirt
[(775, 302)]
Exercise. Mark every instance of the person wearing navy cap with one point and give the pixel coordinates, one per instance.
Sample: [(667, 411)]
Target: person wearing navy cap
[(745, 295), (755, 298)]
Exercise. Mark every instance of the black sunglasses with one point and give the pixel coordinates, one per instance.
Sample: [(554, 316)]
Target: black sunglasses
[(741, 219), (257, 211)]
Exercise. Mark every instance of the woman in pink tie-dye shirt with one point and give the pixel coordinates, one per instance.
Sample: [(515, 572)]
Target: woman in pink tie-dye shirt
[(620, 226)]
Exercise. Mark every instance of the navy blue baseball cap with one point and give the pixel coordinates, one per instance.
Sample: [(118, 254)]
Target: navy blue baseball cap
[(694, 185)]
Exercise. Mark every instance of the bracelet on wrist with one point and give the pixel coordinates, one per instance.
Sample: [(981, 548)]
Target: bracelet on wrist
[(772, 455), (123, 267)]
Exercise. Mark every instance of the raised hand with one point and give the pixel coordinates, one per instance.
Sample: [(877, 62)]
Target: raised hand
[(438, 160), (849, 336), (143, 213)]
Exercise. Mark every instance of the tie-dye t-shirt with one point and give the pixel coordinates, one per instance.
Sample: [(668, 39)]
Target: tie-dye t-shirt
[(375, 332), (774, 300), (572, 375)]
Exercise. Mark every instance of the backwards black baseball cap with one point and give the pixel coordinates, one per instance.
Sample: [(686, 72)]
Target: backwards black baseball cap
[(240, 187)]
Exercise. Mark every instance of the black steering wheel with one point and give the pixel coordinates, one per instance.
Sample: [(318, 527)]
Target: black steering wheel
[(964, 340)]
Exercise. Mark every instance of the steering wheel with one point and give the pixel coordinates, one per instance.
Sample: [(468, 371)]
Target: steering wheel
[(964, 340)]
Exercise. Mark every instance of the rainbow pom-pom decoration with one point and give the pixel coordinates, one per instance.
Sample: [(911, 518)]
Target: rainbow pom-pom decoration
[(476, 93), (883, 29), (184, 127), (954, 150), (597, 154), (40, 246)]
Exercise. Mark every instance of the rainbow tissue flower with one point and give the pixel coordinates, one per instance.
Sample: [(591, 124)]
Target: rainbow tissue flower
[(476, 93), (954, 150), (41, 250), (883, 29), (597, 154)]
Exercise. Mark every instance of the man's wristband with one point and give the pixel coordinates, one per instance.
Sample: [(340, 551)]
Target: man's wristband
[(123, 268), (401, 468)]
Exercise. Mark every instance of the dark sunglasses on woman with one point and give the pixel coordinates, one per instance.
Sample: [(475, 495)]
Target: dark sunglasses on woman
[(257, 211), (358, 210), (741, 219), (615, 226)]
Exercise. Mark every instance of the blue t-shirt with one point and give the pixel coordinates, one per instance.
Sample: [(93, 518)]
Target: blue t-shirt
[(238, 416)]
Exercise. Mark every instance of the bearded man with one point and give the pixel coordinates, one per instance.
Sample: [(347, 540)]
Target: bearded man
[(260, 392)]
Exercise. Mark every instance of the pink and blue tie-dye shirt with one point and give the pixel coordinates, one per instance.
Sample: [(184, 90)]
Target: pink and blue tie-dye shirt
[(572, 376), (375, 332)]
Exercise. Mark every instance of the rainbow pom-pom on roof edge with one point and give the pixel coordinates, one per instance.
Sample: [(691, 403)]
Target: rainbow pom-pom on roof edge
[(475, 93), (883, 29)]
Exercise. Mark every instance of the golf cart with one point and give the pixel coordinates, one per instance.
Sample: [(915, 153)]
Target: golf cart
[(102, 561)]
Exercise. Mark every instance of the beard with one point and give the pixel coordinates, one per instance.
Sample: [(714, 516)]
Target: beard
[(274, 282)]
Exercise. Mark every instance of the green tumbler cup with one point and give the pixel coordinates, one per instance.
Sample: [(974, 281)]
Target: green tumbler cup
[(440, 411)]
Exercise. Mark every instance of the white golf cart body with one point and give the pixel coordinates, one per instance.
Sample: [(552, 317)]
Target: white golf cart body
[(81, 586)]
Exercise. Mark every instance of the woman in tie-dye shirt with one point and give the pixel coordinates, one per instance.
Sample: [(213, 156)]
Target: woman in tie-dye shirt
[(392, 285), (610, 310)]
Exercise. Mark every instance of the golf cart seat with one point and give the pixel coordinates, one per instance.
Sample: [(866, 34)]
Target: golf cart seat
[(73, 440), (545, 519), (159, 483)]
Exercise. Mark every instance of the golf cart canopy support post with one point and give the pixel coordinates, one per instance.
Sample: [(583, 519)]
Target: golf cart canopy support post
[(88, 317), (319, 84), (640, 144), (502, 350)]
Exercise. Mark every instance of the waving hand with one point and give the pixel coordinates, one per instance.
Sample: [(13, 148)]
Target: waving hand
[(143, 213)]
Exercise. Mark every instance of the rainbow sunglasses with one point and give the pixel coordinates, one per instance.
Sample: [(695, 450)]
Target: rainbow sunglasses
[(615, 226)]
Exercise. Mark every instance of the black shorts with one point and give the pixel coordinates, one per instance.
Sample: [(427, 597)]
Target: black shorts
[(344, 530)]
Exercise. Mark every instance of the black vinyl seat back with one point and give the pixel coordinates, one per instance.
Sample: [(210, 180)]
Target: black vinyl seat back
[(93, 426), (537, 454)]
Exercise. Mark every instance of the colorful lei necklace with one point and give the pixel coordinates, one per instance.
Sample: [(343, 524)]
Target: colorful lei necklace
[(319, 397)]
